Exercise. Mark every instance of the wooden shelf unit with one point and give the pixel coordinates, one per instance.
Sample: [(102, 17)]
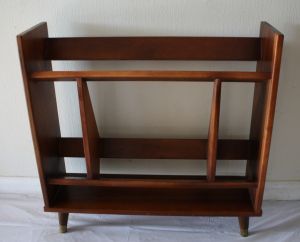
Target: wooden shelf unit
[(94, 192)]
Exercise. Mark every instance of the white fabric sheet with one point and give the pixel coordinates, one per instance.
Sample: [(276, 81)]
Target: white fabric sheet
[(22, 219)]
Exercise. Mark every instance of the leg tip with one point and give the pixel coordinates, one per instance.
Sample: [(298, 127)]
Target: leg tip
[(62, 229), (244, 232)]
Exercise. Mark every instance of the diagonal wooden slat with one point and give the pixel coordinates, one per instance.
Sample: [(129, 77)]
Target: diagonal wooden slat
[(89, 130), (213, 131)]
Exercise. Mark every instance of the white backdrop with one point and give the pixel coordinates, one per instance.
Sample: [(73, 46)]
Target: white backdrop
[(151, 109)]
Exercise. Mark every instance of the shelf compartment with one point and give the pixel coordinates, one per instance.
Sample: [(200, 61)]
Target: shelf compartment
[(194, 202), (143, 148), (197, 76), (152, 181)]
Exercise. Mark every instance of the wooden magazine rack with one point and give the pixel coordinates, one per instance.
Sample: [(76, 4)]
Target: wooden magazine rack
[(95, 192)]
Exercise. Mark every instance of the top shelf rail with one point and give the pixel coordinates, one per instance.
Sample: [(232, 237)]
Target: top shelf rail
[(195, 76)]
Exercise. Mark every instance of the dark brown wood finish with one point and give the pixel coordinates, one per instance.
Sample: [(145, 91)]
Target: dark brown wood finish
[(63, 221), (157, 182), (207, 76), (272, 43), (42, 109), (93, 192), (244, 225), (154, 48), (213, 131), (89, 130), (264, 107), (184, 202), (134, 148)]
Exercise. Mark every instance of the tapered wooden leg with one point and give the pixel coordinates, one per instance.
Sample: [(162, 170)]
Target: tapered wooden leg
[(244, 225), (63, 222)]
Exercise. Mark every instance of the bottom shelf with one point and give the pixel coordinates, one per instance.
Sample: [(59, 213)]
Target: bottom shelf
[(189, 202)]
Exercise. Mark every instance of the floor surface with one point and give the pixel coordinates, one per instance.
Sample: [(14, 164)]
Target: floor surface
[(22, 219)]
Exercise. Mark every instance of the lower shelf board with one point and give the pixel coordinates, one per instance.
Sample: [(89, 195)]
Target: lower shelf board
[(181, 202)]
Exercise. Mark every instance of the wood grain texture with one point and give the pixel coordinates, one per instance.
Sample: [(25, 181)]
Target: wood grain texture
[(226, 76), (42, 109), (271, 44), (154, 48), (89, 129), (212, 147)]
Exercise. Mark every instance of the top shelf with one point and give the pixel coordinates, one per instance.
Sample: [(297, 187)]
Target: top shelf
[(195, 76)]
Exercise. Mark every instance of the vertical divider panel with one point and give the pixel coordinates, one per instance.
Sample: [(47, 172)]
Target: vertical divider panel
[(89, 130), (213, 131)]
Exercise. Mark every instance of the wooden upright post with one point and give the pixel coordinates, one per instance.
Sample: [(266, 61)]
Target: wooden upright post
[(89, 130), (213, 131)]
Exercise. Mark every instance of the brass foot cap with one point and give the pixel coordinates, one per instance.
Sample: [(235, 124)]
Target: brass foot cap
[(244, 232), (62, 228)]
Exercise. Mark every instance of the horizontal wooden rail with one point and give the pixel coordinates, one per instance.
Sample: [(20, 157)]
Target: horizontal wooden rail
[(153, 48), (144, 181), (225, 76), (135, 148)]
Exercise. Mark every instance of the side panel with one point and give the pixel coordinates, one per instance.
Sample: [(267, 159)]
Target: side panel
[(264, 108), (42, 108)]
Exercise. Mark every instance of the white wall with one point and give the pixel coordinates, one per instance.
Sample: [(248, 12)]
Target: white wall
[(151, 109)]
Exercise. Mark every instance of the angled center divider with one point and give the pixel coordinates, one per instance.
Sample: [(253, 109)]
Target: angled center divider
[(213, 131), (89, 130)]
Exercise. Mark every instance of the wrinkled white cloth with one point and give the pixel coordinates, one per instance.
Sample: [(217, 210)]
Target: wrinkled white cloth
[(22, 219)]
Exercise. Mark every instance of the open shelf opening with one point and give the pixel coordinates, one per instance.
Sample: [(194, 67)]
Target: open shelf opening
[(205, 202)]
